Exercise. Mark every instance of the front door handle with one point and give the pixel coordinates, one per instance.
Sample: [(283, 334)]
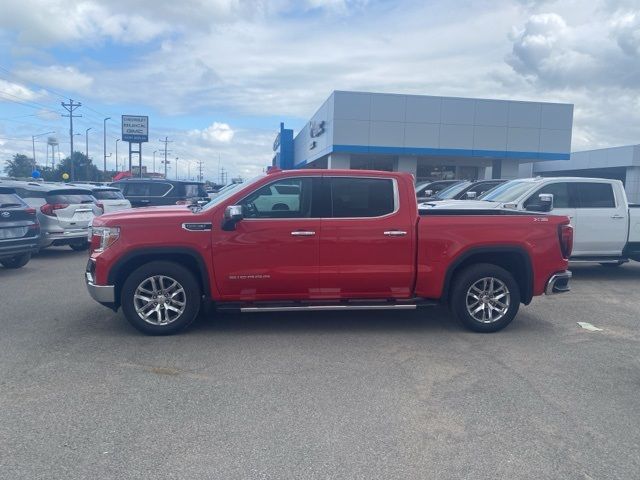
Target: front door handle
[(617, 217), (303, 233), (395, 233)]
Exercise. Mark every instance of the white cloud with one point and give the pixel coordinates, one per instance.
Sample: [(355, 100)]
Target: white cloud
[(15, 91), (626, 31), (216, 132), (66, 78)]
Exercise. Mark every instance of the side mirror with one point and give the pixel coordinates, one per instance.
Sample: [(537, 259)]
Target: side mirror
[(232, 215), (544, 203), (472, 195)]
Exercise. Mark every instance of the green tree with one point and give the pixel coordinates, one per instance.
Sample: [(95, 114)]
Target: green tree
[(84, 169), (19, 166)]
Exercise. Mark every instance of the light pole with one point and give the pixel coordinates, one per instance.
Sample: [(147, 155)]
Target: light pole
[(117, 140), (154, 161), (33, 142), (104, 152), (86, 148)]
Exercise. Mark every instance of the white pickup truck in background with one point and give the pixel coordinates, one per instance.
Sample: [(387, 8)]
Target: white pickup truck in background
[(606, 226)]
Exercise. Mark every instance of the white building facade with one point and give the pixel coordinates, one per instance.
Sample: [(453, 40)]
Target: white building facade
[(432, 137)]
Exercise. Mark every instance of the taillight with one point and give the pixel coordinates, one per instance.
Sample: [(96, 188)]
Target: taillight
[(30, 211), (49, 208), (566, 240)]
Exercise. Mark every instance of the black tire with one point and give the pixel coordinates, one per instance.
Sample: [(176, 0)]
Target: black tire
[(191, 297), (79, 247), (461, 285), (17, 261)]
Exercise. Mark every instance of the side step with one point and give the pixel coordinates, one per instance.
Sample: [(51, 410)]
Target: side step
[(256, 307)]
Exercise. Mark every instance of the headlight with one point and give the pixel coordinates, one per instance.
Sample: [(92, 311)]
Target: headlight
[(103, 237)]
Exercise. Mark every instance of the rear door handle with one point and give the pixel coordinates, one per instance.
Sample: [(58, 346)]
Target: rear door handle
[(395, 233), (617, 217), (303, 233)]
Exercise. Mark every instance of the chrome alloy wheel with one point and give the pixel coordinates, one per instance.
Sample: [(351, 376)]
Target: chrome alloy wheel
[(159, 300), (488, 300)]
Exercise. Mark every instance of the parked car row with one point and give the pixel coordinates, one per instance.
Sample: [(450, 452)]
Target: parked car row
[(37, 215)]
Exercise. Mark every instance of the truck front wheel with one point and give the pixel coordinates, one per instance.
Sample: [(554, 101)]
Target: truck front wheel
[(485, 297), (160, 298)]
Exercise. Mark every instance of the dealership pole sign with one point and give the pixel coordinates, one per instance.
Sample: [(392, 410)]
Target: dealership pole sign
[(135, 129)]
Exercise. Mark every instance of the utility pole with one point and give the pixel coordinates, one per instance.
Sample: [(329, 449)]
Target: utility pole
[(165, 141), (154, 161), (104, 146), (200, 162), (70, 107)]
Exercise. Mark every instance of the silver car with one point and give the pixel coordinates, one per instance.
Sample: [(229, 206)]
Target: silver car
[(110, 199), (65, 212)]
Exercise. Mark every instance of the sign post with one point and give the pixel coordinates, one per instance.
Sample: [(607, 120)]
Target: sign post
[(135, 129)]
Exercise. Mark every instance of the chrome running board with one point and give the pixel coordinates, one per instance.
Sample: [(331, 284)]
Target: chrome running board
[(309, 308)]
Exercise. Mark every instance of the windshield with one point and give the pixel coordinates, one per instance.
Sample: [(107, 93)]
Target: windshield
[(452, 191), (222, 196), (507, 192)]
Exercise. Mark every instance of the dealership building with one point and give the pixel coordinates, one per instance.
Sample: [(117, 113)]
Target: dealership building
[(431, 137), (620, 163)]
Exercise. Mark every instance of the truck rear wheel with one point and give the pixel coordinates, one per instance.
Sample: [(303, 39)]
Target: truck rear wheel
[(485, 297), (161, 298)]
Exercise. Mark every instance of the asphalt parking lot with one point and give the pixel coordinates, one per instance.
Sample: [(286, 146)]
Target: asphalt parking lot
[(325, 395)]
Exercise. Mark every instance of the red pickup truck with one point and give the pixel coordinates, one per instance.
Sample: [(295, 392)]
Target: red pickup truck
[(324, 240)]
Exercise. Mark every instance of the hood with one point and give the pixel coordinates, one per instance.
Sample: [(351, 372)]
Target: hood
[(137, 214), (461, 204)]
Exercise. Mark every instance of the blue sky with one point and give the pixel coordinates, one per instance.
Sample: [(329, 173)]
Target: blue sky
[(218, 76)]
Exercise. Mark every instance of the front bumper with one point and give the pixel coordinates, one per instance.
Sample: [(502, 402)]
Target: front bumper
[(558, 283), (105, 294)]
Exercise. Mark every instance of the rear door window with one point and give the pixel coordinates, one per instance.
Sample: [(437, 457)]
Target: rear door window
[(159, 189), (361, 197), (595, 195)]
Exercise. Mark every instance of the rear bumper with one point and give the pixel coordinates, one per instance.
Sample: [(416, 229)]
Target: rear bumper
[(64, 238), (558, 283), (104, 294), (10, 248)]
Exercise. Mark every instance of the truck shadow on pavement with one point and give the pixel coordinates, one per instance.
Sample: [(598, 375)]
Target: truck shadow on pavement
[(627, 272)]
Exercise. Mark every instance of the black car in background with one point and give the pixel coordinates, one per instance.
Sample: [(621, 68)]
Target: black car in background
[(467, 190), (146, 192), (427, 190), (19, 230)]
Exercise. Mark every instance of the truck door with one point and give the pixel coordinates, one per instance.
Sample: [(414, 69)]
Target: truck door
[(273, 252), (564, 203), (366, 247), (603, 220)]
